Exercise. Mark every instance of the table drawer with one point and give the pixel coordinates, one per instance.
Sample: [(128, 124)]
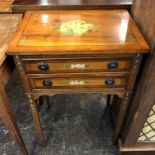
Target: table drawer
[(90, 65), (77, 82)]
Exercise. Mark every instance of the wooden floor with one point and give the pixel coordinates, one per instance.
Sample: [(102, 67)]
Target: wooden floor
[(5, 5)]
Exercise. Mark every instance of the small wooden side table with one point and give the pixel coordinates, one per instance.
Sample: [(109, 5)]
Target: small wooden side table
[(76, 51), (8, 26)]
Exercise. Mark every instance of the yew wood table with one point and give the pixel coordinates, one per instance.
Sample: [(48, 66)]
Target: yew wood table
[(8, 26), (78, 52), (27, 5)]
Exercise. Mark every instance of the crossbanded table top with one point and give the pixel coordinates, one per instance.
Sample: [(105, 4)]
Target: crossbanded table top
[(56, 32)]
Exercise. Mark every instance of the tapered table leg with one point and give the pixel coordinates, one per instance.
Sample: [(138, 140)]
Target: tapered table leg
[(121, 115), (47, 100), (35, 114), (9, 121)]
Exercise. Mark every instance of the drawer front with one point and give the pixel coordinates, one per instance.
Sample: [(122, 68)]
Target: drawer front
[(62, 66), (79, 82)]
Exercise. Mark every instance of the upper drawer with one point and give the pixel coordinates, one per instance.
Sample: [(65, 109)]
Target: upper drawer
[(77, 65)]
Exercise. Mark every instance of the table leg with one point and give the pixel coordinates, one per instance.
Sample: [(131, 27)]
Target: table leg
[(108, 100), (121, 115), (36, 118), (41, 101), (47, 100), (10, 122)]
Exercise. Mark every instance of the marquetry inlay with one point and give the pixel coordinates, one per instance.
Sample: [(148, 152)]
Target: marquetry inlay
[(31, 103), (19, 64), (77, 66), (80, 51)]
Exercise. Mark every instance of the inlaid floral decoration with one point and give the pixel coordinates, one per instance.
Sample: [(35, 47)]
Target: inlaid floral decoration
[(75, 27)]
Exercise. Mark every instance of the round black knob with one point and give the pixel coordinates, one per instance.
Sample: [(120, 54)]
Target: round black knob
[(109, 82), (47, 83), (112, 65), (43, 66)]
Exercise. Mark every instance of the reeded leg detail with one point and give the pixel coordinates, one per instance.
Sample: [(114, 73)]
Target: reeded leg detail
[(121, 115), (36, 118)]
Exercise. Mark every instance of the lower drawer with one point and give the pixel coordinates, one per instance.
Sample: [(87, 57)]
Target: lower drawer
[(77, 82)]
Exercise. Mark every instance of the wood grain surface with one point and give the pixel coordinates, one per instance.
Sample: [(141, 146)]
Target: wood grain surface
[(115, 33), (5, 5), (50, 46), (78, 65), (143, 13), (8, 27), (78, 82), (25, 5)]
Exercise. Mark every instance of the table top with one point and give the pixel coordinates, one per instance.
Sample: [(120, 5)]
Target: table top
[(5, 5), (24, 5), (74, 32), (8, 26)]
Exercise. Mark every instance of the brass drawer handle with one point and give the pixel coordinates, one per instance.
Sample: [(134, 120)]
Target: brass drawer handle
[(109, 82), (43, 66), (76, 83), (47, 83), (112, 65), (77, 66)]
